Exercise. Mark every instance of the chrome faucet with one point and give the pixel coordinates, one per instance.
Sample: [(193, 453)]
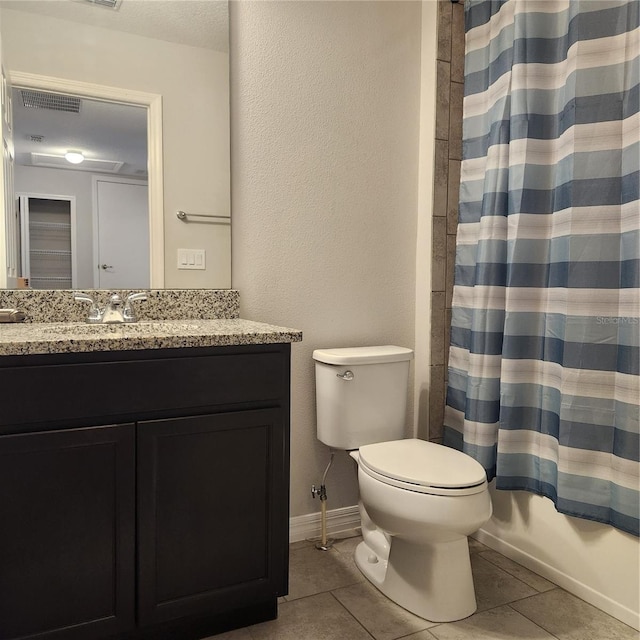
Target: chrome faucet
[(115, 311)]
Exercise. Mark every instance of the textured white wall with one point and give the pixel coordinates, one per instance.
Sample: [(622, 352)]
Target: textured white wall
[(325, 134)]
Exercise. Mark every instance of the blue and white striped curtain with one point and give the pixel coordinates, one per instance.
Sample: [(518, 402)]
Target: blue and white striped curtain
[(544, 385)]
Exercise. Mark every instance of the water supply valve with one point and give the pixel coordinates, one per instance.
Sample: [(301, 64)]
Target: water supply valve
[(320, 492)]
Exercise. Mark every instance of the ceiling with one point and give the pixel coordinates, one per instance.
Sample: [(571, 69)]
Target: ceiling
[(103, 131), (199, 23)]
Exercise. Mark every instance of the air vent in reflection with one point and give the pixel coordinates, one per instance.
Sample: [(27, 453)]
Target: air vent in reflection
[(52, 101)]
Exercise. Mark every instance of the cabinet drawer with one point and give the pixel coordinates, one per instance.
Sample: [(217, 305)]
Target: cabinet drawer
[(55, 393)]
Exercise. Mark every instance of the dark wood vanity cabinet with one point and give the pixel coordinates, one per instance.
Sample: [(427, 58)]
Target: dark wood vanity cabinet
[(143, 494), (194, 475), (67, 537)]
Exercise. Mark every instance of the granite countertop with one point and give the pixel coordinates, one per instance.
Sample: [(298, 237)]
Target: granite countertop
[(70, 337)]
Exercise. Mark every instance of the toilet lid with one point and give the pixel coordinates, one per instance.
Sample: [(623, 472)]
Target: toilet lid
[(424, 464)]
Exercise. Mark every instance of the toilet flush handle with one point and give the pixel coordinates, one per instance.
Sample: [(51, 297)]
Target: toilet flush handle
[(347, 375)]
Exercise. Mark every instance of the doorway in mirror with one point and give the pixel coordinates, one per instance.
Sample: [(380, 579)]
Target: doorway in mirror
[(47, 229), (121, 238)]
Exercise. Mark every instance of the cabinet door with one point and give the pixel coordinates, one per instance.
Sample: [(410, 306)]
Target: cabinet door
[(212, 508), (67, 534)]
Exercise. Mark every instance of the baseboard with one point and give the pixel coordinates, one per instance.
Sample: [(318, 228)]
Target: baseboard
[(577, 588), (310, 526)]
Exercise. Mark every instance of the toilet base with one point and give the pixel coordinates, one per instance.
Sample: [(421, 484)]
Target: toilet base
[(432, 581)]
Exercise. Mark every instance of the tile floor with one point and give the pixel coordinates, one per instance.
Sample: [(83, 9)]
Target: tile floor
[(330, 600)]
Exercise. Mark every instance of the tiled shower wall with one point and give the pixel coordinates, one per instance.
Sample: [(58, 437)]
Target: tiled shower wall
[(448, 153)]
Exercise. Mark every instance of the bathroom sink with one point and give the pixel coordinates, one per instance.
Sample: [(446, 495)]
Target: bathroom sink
[(122, 329), (64, 329), (160, 326), (168, 327)]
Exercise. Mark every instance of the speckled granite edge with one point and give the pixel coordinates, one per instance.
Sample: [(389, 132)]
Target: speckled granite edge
[(49, 338), (161, 304)]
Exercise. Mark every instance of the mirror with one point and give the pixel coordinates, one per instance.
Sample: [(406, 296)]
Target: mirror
[(166, 58)]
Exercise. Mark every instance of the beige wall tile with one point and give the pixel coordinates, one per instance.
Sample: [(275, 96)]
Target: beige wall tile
[(453, 196), (443, 101), (441, 178), (455, 122), (436, 402), (457, 43), (451, 265), (438, 267), (437, 328), (447, 341), (444, 30)]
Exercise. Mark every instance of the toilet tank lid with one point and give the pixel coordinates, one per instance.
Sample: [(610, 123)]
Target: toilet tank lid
[(363, 355)]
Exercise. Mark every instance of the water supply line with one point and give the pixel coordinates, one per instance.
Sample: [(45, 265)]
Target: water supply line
[(324, 544)]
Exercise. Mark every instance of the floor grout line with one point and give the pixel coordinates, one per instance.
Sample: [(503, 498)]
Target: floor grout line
[(537, 624), (351, 614), (508, 573), (488, 559)]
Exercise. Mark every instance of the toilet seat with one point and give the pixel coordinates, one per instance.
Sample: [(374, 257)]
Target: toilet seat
[(424, 467)]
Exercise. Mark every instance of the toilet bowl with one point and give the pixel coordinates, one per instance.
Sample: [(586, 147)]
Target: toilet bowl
[(418, 500), (425, 519)]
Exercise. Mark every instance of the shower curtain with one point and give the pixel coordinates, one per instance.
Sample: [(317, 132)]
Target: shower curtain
[(544, 385)]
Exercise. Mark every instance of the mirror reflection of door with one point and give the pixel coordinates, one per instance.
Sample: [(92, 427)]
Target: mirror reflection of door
[(121, 235), (47, 245)]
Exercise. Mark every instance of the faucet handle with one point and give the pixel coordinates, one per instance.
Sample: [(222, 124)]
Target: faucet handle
[(95, 314), (140, 295), (128, 312), (81, 296)]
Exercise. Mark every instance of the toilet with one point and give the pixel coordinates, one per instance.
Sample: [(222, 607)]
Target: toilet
[(418, 500)]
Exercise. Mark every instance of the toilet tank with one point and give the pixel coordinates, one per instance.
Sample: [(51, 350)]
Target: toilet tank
[(367, 405)]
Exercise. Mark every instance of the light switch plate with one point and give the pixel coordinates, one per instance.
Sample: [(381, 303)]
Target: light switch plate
[(191, 259)]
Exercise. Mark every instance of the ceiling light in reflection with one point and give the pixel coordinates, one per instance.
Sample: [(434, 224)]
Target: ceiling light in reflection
[(74, 157)]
